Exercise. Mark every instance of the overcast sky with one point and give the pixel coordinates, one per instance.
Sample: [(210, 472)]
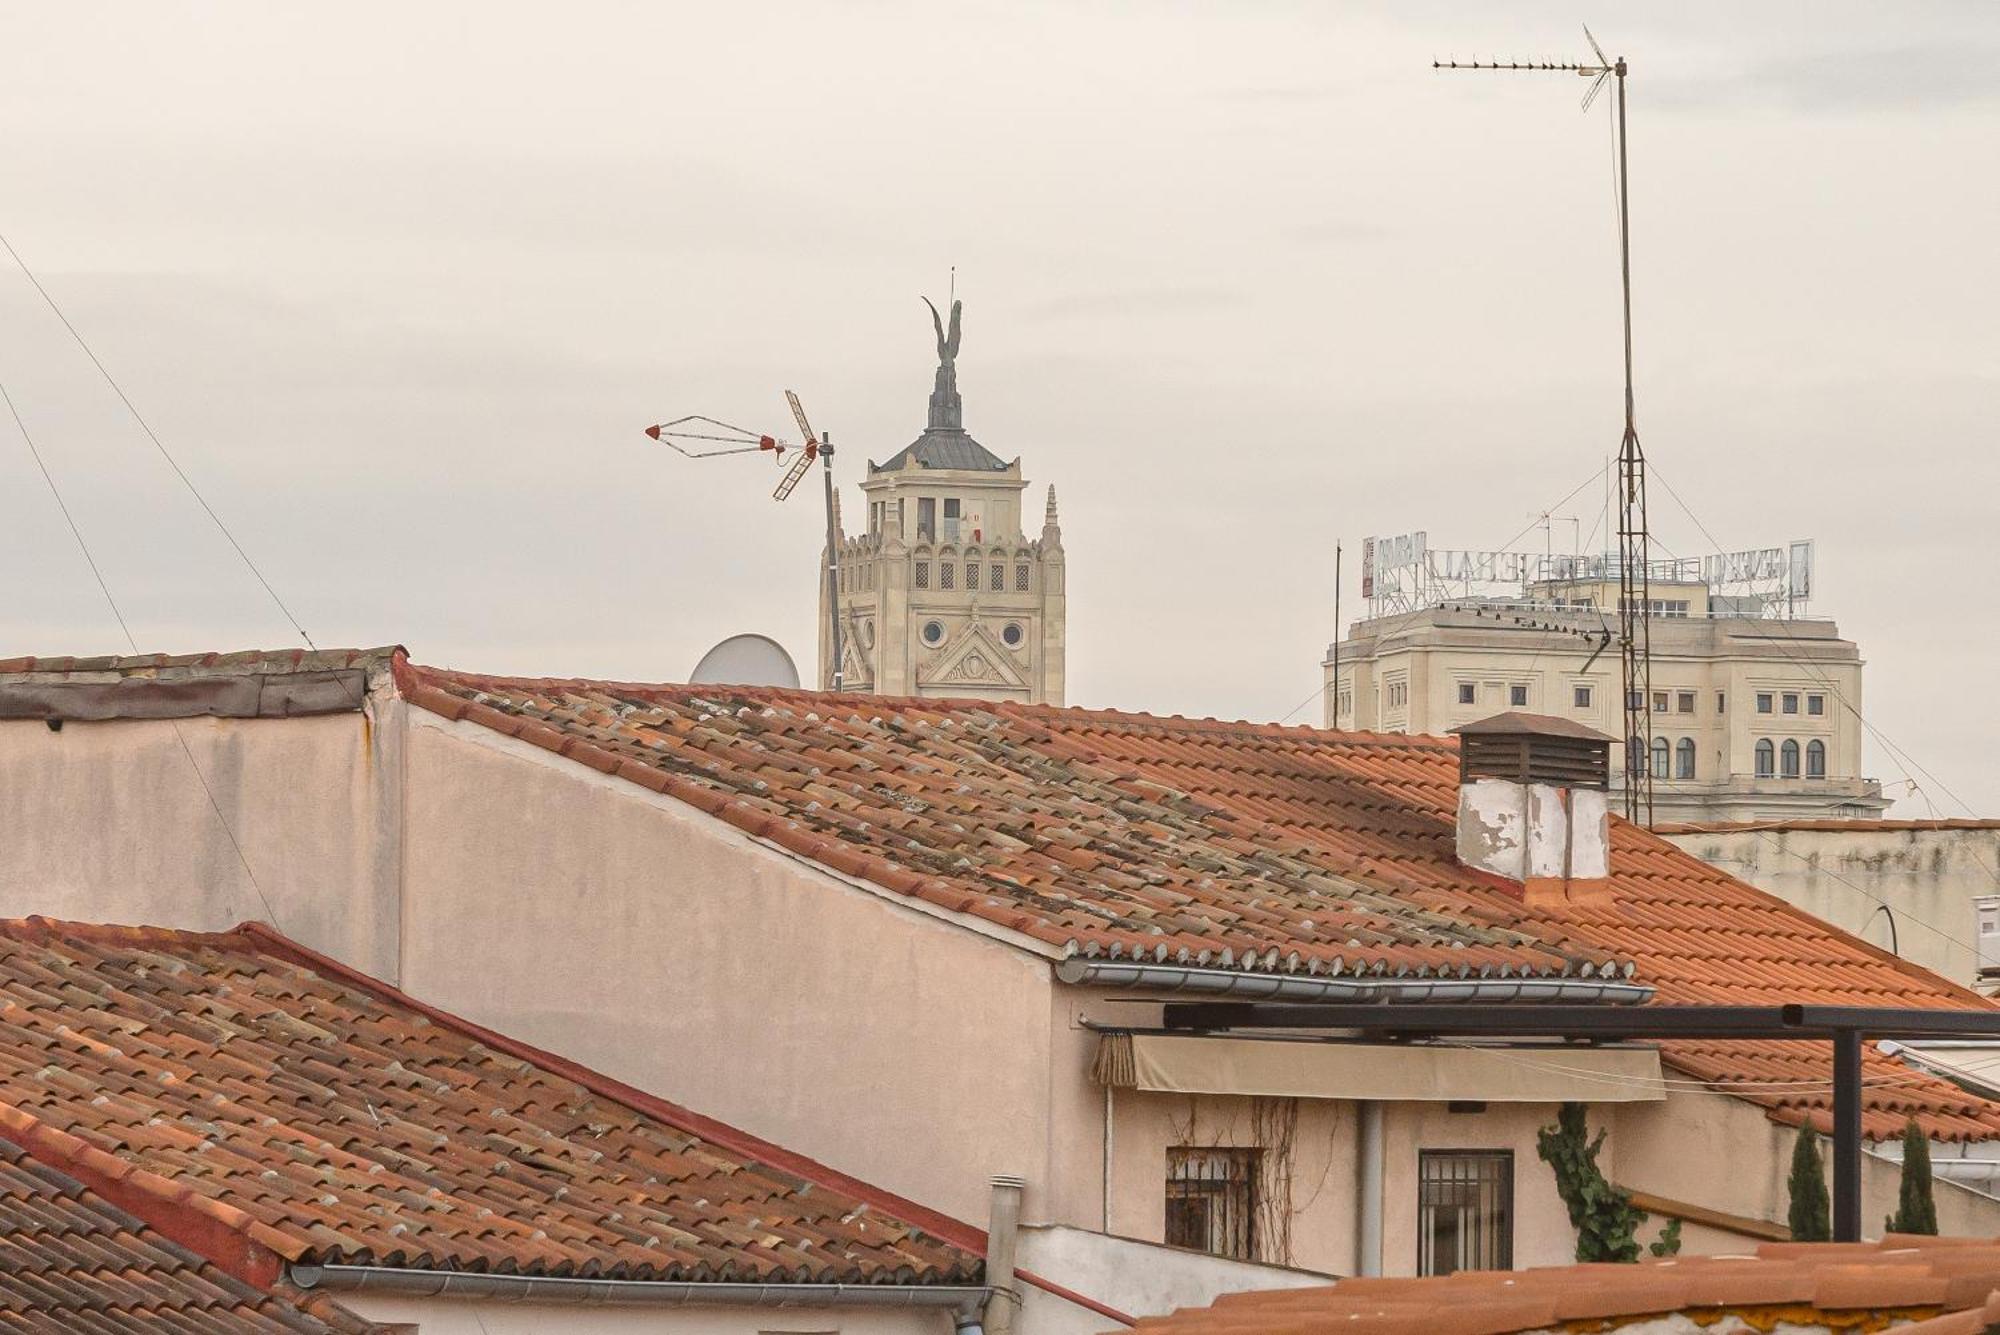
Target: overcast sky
[(400, 284)]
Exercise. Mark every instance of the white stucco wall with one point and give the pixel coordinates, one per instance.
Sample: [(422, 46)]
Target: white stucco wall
[(1134, 1277), (1927, 878), (109, 822)]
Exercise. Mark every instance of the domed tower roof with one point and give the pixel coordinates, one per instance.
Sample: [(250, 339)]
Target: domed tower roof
[(944, 443)]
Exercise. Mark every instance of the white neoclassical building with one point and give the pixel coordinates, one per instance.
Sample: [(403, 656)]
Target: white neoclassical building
[(1755, 714)]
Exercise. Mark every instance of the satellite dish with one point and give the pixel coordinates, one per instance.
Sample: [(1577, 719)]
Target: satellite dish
[(747, 660)]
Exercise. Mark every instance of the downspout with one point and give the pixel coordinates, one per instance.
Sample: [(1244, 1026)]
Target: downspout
[(1368, 1198), (1109, 1089), (1002, 1234)]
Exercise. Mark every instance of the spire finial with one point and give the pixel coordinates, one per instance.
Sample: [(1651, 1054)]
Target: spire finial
[(947, 410), (1049, 516)]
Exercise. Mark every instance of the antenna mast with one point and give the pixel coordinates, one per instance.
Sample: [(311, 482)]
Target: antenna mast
[(1634, 539), (700, 437)]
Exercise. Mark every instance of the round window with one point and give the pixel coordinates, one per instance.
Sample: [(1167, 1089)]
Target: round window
[(868, 633), (1012, 634), (933, 632)]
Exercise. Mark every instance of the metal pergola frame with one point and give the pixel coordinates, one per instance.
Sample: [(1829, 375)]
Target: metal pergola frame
[(1846, 1027)]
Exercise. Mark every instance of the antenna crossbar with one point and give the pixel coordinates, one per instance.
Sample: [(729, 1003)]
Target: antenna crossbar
[(1634, 537)]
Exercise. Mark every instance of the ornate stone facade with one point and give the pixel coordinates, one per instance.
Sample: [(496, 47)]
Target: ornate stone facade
[(944, 593)]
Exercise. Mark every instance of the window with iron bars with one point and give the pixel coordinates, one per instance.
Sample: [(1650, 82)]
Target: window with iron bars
[(1020, 579), (1212, 1200), (1465, 1210), (923, 574)]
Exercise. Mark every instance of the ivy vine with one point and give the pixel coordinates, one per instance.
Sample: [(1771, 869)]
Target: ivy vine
[(1604, 1217)]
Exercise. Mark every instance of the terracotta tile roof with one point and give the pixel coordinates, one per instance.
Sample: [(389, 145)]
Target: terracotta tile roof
[(72, 1262), (1948, 1284), (300, 1112), (1235, 844)]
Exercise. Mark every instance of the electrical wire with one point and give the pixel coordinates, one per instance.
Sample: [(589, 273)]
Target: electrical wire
[(1896, 753), (158, 444), (104, 587)]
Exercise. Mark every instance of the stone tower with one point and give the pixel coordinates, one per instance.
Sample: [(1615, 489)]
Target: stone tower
[(944, 594)]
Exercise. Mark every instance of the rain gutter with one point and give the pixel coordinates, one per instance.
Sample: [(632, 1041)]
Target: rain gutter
[(966, 1298), (1308, 987)]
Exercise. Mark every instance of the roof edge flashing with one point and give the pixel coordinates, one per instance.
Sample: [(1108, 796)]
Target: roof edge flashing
[(1225, 982), (622, 1292)]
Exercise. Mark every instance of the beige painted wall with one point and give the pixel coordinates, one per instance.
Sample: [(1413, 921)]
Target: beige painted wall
[(1720, 1152), (454, 1316), (110, 822), (665, 947), (1927, 878)]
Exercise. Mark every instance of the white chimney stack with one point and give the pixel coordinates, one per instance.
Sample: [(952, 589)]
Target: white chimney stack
[(1533, 806)]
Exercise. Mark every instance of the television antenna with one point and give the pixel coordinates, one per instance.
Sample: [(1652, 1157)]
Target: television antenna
[(1634, 539), (699, 437)]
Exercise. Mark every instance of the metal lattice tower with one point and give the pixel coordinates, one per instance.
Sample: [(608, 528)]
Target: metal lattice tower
[(1634, 539)]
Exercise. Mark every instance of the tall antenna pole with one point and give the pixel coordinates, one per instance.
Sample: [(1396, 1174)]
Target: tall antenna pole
[(1337, 633), (833, 566), (1634, 540)]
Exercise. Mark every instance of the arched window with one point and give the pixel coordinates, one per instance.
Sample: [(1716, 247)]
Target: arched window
[(1815, 759), (1788, 759), (1662, 751), (1767, 759), (1635, 755), (1684, 759)]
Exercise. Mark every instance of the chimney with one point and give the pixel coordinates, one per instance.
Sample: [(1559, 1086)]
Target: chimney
[(1533, 806)]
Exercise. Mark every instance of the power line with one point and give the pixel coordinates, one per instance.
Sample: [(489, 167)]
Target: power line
[(1896, 752), (104, 587), (158, 444)]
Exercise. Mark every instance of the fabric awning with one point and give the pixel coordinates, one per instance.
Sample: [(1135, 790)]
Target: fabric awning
[(1277, 1068)]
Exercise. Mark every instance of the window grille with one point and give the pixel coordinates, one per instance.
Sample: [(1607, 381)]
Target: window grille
[(972, 579), (948, 574), (997, 578), (1020, 579), (923, 574), (1212, 1200), (1465, 1211)]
